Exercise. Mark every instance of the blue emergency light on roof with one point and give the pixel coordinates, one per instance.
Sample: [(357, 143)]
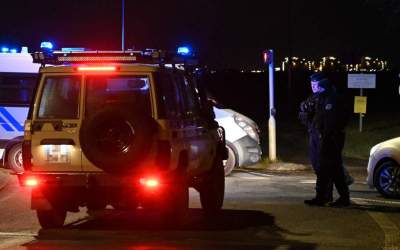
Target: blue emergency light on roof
[(46, 45), (4, 49), (159, 57), (13, 51), (184, 51)]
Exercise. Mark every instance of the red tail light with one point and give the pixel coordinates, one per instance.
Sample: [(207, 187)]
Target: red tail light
[(97, 68), (149, 182), (31, 182)]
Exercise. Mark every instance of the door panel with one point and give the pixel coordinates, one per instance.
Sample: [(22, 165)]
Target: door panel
[(55, 146), (56, 123)]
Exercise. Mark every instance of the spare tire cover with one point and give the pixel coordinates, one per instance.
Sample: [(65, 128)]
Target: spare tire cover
[(115, 140)]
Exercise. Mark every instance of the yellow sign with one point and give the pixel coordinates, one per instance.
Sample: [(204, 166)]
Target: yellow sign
[(360, 104)]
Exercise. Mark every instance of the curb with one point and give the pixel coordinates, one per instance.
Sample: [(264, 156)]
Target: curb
[(287, 166), (278, 166), (4, 177)]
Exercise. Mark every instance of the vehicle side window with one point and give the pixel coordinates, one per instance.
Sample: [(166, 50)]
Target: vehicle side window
[(168, 96), (60, 98), (16, 89), (191, 106)]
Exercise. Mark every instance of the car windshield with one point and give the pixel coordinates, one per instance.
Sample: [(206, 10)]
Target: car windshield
[(126, 92)]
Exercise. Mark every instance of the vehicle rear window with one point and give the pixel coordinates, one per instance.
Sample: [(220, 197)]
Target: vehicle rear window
[(17, 89), (125, 92), (60, 98)]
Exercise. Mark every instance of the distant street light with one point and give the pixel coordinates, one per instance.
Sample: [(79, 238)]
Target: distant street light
[(268, 56)]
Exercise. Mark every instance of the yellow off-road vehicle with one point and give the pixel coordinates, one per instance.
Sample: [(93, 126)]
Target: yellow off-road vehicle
[(130, 129)]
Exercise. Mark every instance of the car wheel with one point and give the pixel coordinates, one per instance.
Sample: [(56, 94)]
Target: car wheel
[(212, 190), (51, 218), (387, 179), (231, 162), (14, 159)]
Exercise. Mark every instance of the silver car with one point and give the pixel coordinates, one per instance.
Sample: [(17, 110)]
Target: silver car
[(384, 168), (242, 138)]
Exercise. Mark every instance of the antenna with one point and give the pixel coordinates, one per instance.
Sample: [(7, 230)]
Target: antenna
[(123, 26)]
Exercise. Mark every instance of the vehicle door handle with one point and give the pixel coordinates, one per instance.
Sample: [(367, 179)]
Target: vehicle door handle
[(70, 125)]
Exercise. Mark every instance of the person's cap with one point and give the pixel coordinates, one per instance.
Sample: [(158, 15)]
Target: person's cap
[(316, 77)]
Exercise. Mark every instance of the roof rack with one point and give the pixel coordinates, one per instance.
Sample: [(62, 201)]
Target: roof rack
[(149, 56)]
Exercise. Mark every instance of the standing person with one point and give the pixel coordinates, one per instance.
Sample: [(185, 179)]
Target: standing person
[(307, 117), (326, 144)]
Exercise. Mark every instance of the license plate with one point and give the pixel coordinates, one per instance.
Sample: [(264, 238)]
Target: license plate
[(58, 153)]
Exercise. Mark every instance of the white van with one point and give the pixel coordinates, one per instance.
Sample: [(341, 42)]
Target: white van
[(242, 138), (18, 75)]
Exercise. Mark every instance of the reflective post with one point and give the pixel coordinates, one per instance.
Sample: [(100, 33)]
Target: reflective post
[(269, 60)]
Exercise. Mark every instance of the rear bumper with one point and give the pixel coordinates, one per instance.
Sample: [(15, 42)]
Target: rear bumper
[(70, 191), (90, 179)]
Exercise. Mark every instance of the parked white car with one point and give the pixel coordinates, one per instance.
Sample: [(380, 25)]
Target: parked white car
[(384, 168), (242, 138)]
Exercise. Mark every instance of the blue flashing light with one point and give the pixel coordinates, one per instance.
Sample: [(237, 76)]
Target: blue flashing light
[(13, 51), (72, 49), (5, 49), (184, 51), (46, 45)]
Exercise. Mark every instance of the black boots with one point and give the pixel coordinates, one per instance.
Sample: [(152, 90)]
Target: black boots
[(341, 202), (317, 202)]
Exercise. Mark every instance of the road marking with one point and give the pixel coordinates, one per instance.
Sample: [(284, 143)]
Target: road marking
[(240, 171), (14, 243), (308, 182), (390, 230), (260, 174), (363, 200), (252, 178), (17, 234)]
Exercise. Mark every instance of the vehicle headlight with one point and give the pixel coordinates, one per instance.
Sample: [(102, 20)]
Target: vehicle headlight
[(250, 130)]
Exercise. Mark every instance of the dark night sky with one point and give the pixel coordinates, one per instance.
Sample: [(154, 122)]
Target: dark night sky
[(226, 33)]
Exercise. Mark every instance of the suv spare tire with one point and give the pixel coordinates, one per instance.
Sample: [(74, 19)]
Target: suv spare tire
[(115, 140)]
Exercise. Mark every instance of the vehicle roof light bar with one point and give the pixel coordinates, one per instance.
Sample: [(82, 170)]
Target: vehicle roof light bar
[(130, 57)]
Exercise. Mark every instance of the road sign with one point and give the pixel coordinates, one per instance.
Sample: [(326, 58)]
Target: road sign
[(361, 81), (360, 104)]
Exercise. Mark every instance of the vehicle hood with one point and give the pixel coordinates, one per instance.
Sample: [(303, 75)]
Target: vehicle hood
[(389, 148), (247, 119)]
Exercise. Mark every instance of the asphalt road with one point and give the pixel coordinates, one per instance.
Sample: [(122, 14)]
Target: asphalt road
[(261, 211)]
